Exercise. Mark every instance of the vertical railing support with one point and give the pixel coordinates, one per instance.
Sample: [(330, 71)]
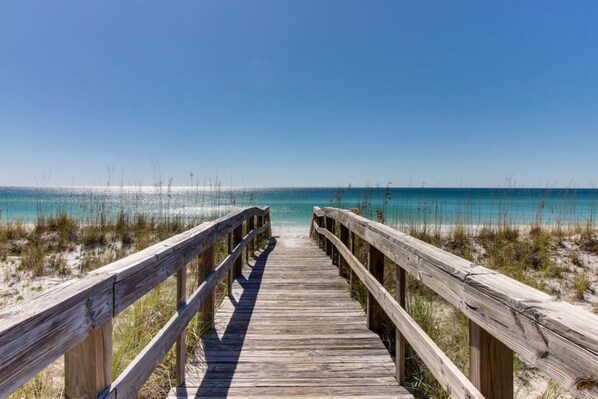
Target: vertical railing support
[(491, 364), (342, 263), (260, 236), (230, 277), (321, 239), (352, 275), (375, 314), (181, 293), (400, 339), (88, 366), (249, 248), (237, 237), (207, 265), (329, 247), (269, 229)]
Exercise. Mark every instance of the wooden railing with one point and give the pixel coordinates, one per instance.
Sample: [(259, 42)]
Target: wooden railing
[(557, 338), (75, 318)]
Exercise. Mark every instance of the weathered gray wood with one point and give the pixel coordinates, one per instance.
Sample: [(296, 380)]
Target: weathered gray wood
[(88, 366), (259, 223), (400, 344), (375, 314), (309, 340), (330, 226), (352, 248), (443, 369), (138, 274), (250, 246), (180, 351), (237, 237), (206, 266), (490, 364), (342, 264), (558, 338), (36, 332), (229, 278), (129, 381), (321, 240)]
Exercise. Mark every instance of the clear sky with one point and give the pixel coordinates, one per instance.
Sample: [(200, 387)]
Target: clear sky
[(300, 93)]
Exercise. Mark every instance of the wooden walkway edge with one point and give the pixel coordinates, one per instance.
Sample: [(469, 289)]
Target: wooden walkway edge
[(290, 329)]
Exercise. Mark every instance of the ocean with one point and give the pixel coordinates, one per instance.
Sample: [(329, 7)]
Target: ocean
[(293, 207)]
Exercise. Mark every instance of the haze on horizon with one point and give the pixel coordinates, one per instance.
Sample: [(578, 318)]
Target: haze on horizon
[(299, 93)]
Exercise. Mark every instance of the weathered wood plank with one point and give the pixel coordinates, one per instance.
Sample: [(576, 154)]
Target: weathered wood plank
[(130, 381), (181, 350), (34, 333), (400, 344), (268, 335), (490, 364), (375, 314), (558, 338), (206, 266), (444, 370), (88, 366)]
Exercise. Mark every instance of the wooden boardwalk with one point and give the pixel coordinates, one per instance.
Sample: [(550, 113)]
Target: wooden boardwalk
[(291, 330)]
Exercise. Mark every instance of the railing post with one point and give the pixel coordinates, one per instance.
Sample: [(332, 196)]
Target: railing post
[(375, 314), (207, 265), (342, 263), (88, 366), (230, 277), (491, 364), (181, 292), (329, 246), (352, 275), (249, 248), (321, 240), (260, 223), (237, 237), (400, 339), (269, 229)]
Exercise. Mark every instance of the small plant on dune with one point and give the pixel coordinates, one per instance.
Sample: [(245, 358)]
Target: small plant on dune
[(588, 239), (582, 284), (58, 264), (32, 259), (459, 243), (576, 260)]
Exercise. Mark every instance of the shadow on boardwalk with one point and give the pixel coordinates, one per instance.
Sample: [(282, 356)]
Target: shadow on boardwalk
[(222, 352)]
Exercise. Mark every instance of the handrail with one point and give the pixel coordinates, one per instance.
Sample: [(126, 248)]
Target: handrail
[(75, 318), (558, 338)]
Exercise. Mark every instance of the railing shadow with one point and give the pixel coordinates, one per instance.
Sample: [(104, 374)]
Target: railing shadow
[(222, 352)]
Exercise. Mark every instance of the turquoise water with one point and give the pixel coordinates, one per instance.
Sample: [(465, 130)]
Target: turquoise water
[(293, 206)]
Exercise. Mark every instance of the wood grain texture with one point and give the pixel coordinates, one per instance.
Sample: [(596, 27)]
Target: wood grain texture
[(88, 366), (134, 376), (290, 330), (490, 364), (180, 351), (444, 370), (206, 266), (375, 314), (36, 332), (400, 343), (558, 338)]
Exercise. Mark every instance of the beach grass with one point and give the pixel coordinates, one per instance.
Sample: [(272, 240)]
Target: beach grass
[(548, 257), (554, 258)]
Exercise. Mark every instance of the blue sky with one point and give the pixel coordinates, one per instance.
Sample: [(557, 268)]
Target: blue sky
[(300, 93)]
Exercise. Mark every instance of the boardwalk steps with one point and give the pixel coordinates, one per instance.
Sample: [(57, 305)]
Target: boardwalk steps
[(290, 329)]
